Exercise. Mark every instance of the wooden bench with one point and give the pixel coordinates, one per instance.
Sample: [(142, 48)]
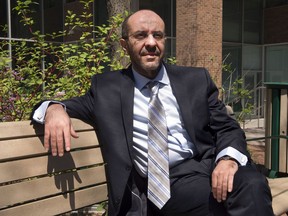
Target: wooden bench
[(32, 182)]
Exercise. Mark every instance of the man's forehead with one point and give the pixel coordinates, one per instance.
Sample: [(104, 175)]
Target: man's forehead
[(144, 23)]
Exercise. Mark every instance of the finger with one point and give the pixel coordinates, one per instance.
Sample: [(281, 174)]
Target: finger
[(73, 132), (219, 191), (53, 142), (224, 188), (60, 142), (230, 183), (218, 179), (46, 139), (214, 185), (67, 137)]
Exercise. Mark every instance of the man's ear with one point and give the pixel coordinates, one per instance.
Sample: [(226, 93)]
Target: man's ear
[(123, 43)]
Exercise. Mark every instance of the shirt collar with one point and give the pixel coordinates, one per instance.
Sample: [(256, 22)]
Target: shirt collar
[(141, 81)]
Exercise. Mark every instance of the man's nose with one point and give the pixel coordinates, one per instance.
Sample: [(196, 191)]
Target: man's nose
[(151, 41)]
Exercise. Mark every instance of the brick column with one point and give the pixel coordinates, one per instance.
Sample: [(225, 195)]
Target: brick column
[(199, 35)]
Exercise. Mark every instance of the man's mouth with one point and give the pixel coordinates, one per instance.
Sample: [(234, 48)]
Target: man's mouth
[(151, 54)]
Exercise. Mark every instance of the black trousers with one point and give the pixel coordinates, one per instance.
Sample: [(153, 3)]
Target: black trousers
[(191, 193)]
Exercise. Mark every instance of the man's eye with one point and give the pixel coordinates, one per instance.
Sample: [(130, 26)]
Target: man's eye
[(158, 36), (144, 35), (140, 36)]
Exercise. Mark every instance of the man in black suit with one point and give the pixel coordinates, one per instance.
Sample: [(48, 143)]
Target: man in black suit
[(211, 172)]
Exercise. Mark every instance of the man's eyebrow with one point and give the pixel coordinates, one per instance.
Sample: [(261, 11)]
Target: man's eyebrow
[(140, 31)]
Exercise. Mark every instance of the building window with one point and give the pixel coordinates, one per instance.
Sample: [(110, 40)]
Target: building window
[(232, 20), (276, 64), (253, 21), (3, 19), (242, 43), (252, 57)]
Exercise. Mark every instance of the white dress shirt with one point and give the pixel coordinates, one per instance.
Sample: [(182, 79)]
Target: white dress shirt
[(179, 143)]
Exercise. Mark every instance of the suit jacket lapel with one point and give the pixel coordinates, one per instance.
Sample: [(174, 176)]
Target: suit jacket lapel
[(127, 98), (182, 91)]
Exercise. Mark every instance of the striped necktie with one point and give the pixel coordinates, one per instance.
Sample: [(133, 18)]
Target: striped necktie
[(158, 160)]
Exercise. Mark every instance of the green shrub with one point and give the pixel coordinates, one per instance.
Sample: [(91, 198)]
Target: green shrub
[(41, 68)]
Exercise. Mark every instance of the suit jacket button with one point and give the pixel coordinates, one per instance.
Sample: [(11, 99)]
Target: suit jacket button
[(117, 201), (128, 168)]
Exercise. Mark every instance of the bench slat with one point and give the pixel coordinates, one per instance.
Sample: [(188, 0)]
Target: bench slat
[(13, 130), (60, 204), (47, 186), (33, 145), (279, 190), (26, 168)]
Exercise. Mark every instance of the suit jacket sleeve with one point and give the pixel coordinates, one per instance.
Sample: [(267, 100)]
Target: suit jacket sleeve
[(226, 131), (82, 107)]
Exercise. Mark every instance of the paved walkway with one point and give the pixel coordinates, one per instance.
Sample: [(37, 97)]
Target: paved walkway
[(253, 129)]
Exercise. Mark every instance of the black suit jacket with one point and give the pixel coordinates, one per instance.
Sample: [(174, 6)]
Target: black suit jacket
[(108, 106)]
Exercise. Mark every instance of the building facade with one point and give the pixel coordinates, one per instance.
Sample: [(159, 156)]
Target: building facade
[(255, 40), (251, 36)]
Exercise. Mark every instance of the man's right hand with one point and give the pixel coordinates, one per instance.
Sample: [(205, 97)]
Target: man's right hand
[(58, 130)]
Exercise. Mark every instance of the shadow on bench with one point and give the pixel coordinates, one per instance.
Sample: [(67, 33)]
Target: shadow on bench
[(32, 182)]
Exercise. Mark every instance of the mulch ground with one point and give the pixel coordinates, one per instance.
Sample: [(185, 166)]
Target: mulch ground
[(257, 147), (257, 153)]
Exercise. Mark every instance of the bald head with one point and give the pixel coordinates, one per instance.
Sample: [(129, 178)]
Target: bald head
[(141, 16)]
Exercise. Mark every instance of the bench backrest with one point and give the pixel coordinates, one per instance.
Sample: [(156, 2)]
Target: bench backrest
[(32, 182)]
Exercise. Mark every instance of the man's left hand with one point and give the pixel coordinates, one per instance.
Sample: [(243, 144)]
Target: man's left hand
[(222, 179)]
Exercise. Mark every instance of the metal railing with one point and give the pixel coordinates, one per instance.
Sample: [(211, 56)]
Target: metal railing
[(273, 156)]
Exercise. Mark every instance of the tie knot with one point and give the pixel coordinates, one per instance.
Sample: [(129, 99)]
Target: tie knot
[(154, 87)]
